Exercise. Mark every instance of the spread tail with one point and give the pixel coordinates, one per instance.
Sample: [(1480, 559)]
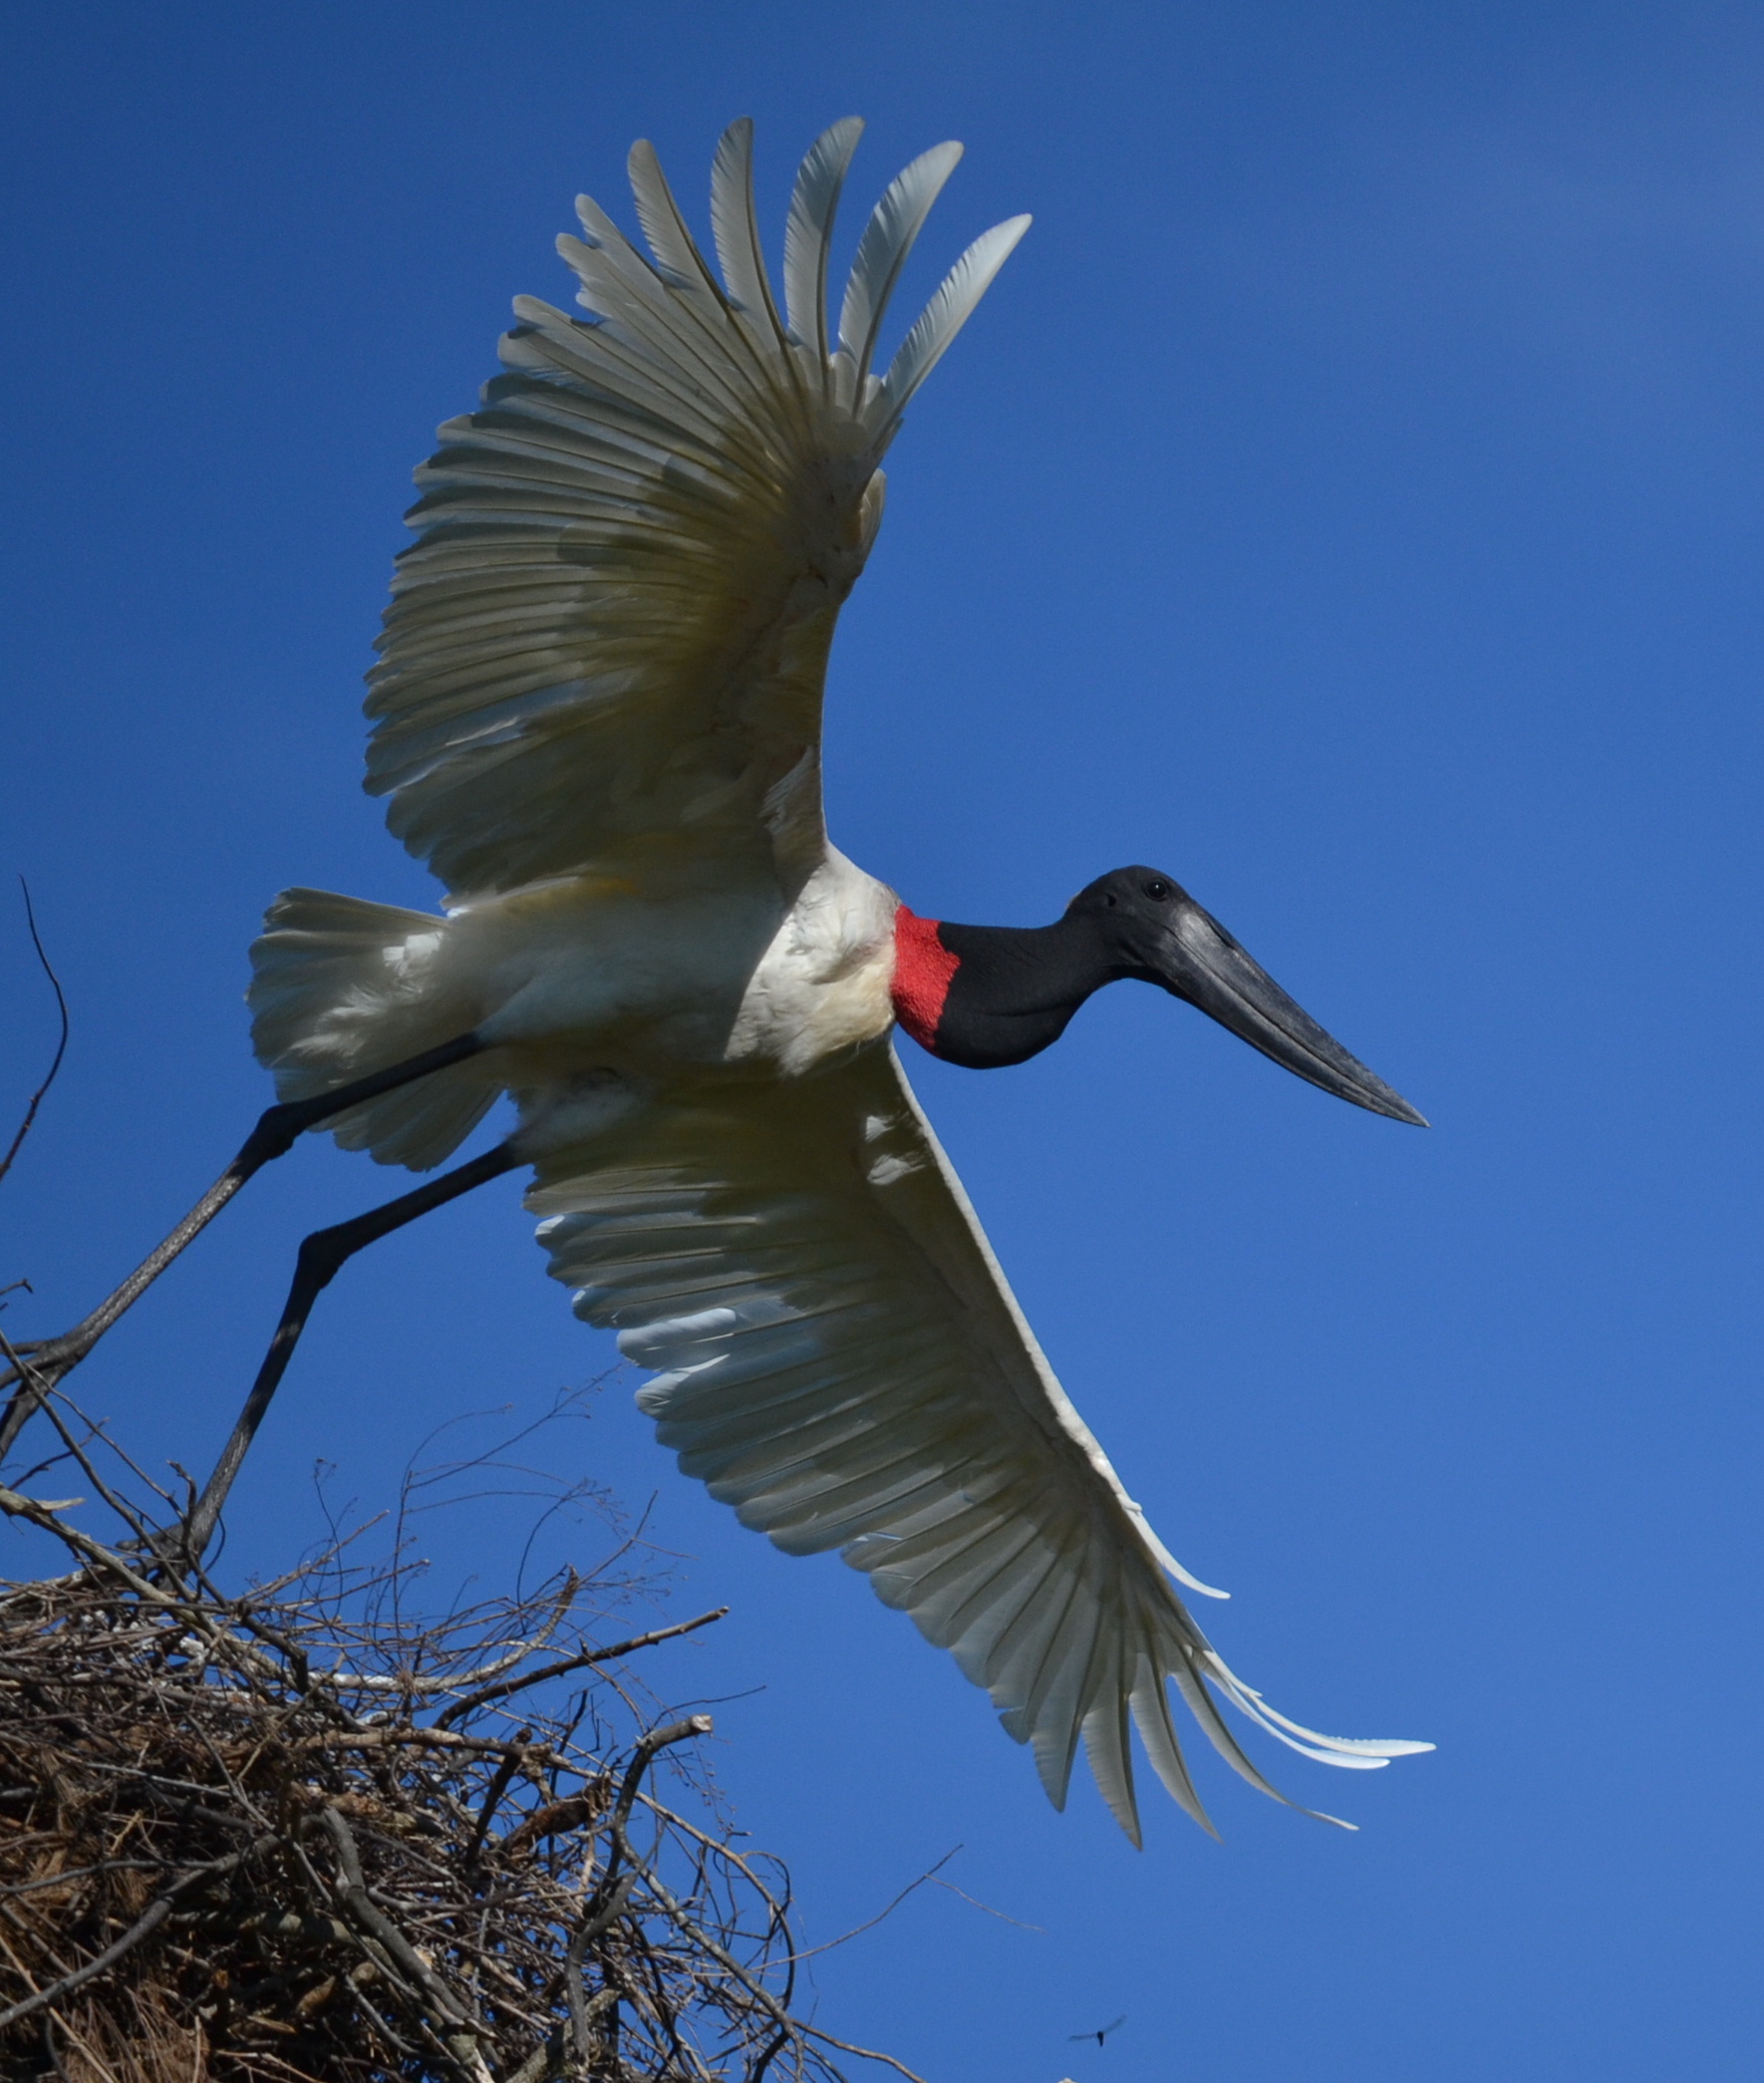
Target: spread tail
[(340, 987)]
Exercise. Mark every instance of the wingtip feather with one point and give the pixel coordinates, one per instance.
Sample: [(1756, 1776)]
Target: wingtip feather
[(735, 229), (889, 236), (676, 251), (808, 231), (944, 317)]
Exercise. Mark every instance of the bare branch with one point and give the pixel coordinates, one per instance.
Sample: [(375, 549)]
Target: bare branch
[(487, 1693), (246, 1815), (882, 1915), (61, 1047)]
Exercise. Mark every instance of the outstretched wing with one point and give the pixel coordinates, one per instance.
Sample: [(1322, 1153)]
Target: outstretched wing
[(614, 625), (843, 1363)]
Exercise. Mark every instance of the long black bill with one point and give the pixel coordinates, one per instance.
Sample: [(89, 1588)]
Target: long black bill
[(1203, 964)]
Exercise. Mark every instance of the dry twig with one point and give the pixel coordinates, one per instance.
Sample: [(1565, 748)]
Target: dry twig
[(61, 1047), (297, 1838)]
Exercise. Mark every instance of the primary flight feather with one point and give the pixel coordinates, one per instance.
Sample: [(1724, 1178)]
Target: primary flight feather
[(596, 716)]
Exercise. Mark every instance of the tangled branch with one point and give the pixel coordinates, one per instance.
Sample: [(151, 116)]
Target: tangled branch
[(300, 1837)]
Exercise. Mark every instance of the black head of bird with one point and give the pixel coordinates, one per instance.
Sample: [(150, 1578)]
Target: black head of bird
[(988, 995)]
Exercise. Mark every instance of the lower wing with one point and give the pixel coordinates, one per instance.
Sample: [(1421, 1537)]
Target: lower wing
[(841, 1359)]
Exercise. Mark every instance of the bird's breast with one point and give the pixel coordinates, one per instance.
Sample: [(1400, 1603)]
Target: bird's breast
[(822, 986)]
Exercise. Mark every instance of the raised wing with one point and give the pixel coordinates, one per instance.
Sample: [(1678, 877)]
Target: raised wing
[(844, 1364), (614, 625)]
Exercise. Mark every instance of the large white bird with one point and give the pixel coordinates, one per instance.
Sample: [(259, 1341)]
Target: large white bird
[(598, 719)]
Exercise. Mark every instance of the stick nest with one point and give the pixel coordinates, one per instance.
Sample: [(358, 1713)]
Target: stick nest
[(296, 1836)]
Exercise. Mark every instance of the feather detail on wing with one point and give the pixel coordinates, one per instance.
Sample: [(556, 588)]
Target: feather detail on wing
[(889, 236), (842, 1362), (612, 631), (809, 235)]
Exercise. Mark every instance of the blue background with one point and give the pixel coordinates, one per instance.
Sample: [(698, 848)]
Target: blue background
[(1346, 499)]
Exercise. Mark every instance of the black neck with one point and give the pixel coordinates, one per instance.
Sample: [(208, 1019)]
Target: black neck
[(1015, 988)]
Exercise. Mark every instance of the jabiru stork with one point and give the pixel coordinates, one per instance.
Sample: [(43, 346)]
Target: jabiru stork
[(597, 717)]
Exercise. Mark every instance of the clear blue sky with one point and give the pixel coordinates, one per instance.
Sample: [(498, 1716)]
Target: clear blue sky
[(1348, 499)]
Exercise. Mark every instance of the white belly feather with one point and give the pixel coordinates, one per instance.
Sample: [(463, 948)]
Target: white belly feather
[(690, 977), (822, 986)]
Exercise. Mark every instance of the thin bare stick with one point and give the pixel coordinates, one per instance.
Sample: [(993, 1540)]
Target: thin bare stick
[(582, 2013), (69, 1874), (93, 1551), (486, 1693), (60, 1048), (353, 1891), (34, 1387), (492, 1800), (846, 2046), (795, 2027), (869, 1924)]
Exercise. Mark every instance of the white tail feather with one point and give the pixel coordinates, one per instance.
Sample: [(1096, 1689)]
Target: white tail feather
[(341, 986)]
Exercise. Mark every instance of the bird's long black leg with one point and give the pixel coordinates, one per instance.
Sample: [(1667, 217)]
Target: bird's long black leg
[(321, 1256), (41, 1365)]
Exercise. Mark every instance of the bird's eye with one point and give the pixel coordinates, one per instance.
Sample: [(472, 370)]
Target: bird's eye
[(1157, 889)]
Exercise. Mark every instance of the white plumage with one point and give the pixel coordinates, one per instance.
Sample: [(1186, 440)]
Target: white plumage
[(596, 716)]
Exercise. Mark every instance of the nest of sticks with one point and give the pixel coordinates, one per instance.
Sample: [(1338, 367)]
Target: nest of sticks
[(298, 1835)]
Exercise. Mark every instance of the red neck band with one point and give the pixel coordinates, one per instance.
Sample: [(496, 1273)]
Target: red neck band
[(923, 967)]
